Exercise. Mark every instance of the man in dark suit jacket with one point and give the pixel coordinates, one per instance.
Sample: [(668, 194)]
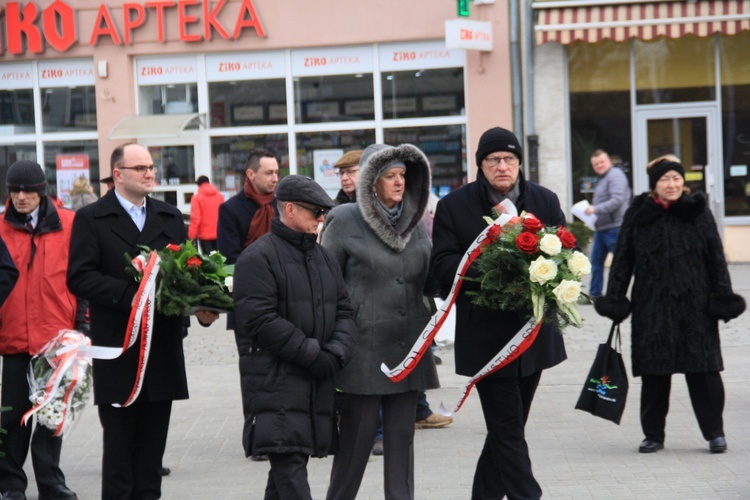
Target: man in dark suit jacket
[(103, 232), (504, 467)]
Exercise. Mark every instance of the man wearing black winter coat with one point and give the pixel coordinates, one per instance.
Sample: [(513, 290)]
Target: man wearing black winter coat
[(504, 467), (294, 330)]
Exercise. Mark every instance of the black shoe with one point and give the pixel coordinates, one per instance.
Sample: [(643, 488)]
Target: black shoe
[(259, 458), (14, 495), (165, 471), (648, 446), (56, 492), (718, 445)]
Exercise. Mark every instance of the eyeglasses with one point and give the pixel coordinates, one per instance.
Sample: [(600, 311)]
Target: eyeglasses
[(350, 172), (316, 211), (141, 169), (494, 161)]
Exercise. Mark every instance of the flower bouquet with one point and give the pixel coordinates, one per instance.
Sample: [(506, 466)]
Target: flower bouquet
[(528, 267), (60, 381), (187, 280)]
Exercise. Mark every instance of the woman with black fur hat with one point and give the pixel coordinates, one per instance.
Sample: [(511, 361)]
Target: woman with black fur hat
[(669, 243)]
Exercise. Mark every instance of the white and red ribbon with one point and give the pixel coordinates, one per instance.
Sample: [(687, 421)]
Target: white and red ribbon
[(140, 322), (517, 345)]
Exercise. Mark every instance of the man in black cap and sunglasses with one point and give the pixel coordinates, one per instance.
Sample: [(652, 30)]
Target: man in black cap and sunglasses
[(294, 330)]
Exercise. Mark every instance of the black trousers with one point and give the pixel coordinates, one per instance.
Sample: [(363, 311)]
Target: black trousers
[(45, 448), (207, 246), (287, 479), (359, 424), (504, 467), (134, 442), (706, 395)]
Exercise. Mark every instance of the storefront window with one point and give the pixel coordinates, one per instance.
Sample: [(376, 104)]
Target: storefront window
[(317, 152), (8, 156), (68, 109), (16, 112), (169, 99), (175, 165), (422, 93), (735, 102), (229, 154), (599, 82), (242, 103), (65, 161), (675, 70), (334, 98), (445, 148)]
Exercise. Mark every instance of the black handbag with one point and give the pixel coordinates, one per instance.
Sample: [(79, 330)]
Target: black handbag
[(606, 388)]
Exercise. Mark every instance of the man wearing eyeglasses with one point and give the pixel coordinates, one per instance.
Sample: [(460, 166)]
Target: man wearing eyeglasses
[(294, 328), (504, 466), (347, 170), (119, 223)]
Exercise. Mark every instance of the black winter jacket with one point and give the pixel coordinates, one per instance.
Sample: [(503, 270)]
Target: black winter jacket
[(290, 302), (681, 286), (482, 332)]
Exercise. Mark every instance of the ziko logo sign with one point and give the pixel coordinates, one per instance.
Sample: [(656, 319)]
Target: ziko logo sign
[(56, 25)]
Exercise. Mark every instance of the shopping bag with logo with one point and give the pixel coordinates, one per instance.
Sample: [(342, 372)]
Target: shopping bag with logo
[(606, 388)]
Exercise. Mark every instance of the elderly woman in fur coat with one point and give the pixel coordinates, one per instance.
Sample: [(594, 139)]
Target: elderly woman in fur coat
[(670, 245), (382, 246)]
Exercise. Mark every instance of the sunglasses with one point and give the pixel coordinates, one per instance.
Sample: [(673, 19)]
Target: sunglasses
[(316, 211)]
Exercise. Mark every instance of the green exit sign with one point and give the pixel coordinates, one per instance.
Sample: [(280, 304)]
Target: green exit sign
[(463, 8)]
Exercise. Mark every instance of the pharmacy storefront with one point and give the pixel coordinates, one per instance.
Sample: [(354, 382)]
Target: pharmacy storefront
[(640, 79), (201, 83)]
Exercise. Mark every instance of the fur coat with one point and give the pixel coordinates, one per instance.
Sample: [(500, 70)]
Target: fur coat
[(386, 273), (681, 286)]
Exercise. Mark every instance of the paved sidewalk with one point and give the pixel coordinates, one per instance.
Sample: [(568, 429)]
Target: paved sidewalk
[(575, 456)]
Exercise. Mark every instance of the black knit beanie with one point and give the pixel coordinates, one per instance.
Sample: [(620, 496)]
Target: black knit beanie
[(660, 168), (25, 175), (498, 139)]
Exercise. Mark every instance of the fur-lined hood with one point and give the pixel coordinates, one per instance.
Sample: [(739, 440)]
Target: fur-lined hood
[(416, 194)]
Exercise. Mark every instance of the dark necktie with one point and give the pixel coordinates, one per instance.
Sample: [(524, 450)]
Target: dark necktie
[(29, 223)]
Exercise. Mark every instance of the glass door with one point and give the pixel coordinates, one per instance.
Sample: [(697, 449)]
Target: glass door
[(692, 134)]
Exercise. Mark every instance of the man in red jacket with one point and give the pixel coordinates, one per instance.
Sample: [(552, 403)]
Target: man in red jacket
[(38, 238), (204, 214)]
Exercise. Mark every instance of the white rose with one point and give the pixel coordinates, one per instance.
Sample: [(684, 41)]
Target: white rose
[(542, 270), (229, 283), (550, 244), (579, 264), (567, 291)]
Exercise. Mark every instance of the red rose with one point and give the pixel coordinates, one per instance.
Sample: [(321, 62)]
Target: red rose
[(173, 247), (494, 233), (532, 224), (566, 238), (194, 262), (527, 242)]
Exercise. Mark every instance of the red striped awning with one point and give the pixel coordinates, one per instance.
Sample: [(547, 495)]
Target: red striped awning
[(644, 21)]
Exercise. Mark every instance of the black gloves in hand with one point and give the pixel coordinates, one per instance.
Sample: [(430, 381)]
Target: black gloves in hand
[(325, 365)]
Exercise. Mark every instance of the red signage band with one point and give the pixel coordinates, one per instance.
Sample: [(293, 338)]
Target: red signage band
[(57, 26)]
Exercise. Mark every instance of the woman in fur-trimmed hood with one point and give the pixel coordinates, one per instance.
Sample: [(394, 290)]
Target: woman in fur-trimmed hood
[(382, 246), (681, 289)]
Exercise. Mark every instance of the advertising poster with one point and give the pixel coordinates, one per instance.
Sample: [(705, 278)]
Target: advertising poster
[(325, 175), (69, 168)]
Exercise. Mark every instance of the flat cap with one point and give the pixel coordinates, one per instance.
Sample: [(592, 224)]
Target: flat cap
[(302, 188), (107, 179), (350, 159)]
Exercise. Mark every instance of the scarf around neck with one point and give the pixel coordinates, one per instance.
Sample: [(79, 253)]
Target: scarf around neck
[(261, 221)]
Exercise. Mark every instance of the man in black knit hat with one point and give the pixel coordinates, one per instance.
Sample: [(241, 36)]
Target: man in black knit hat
[(504, 466), (38, 238)]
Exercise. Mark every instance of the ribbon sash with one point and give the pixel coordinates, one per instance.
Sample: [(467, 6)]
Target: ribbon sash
[(407, 365)]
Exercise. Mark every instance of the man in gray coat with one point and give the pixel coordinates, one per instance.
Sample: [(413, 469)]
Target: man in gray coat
[(611, 200)]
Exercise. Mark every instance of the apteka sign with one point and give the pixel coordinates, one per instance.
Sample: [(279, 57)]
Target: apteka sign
[(57, 26)]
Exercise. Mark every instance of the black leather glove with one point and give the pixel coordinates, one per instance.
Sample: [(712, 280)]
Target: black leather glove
[(83, 328), (325, 365)]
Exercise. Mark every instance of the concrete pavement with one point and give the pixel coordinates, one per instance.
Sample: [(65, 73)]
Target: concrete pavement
[(575, 455)]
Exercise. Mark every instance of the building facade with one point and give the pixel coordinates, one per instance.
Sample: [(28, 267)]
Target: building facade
[(202, 82), (644, 78)]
